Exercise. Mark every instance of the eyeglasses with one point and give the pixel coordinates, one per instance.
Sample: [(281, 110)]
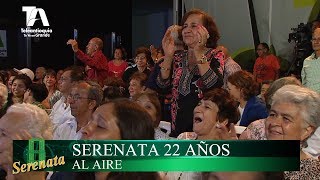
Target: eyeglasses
[(76, 97), (260, 49)]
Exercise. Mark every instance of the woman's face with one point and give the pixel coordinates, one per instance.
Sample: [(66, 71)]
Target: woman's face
[(261, 51), (18, 88), (103, 126), (145, 102), (285, 122), (50, 80), (135, 87), (205, 117), (118, 54), (190, 29), (234, 91), (141, 60), (264, 89)]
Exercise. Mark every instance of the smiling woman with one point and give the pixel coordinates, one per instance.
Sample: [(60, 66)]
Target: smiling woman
[(294, 116), (190, 72)]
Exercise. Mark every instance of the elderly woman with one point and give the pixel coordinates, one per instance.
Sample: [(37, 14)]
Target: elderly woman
[(216, 108), (150, 102), (20, 122), (294, 116), (142, 57), (192, 71), (137, 83), (256, 129)]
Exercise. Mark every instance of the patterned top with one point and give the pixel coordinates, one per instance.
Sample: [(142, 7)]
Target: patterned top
[(255, 131), (158, 134), (187, 86), (55, 97), (309, 170), (310, 73)]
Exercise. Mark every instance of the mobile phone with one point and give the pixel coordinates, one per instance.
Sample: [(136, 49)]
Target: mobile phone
[(75, 34)]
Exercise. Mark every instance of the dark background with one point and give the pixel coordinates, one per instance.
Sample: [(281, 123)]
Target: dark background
[(91, 18)]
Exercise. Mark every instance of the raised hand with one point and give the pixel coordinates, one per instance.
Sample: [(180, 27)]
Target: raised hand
[(203, 36), (74, 44), (168, 43)]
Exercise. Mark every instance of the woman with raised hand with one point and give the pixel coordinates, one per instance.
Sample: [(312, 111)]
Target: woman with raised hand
[(191, 71)]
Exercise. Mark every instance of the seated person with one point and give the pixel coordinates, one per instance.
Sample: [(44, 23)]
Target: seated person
[(120, 119), (35, 94), (137, 83), (243, 89), (212, 111), (263, 89), (22, 122), (293, 117), (151, 103), (217, 108)]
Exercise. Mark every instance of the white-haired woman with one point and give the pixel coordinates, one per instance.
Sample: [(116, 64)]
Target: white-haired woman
[(294, 115), (22, 121)]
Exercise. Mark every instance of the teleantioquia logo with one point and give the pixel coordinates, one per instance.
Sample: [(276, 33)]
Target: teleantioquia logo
[(31, 18)]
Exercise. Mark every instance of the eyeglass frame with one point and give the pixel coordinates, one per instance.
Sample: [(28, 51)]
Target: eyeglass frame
[(76, 97)]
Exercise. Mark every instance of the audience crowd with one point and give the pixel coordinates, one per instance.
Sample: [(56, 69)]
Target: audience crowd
[(188, 88)]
